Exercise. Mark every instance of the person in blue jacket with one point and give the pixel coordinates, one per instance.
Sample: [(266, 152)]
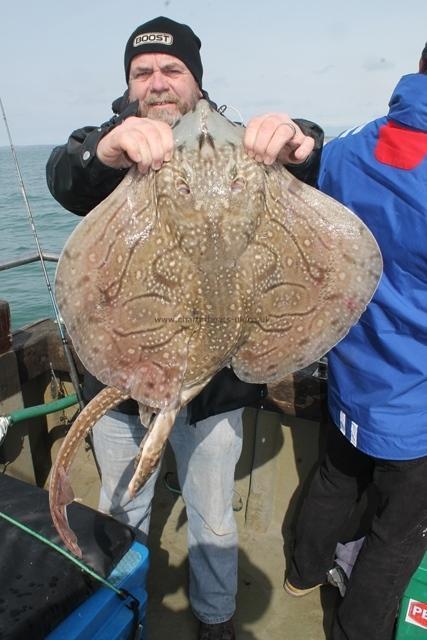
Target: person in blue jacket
[(377, 390)]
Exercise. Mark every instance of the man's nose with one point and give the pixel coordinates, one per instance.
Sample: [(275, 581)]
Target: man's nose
[(159, 82)]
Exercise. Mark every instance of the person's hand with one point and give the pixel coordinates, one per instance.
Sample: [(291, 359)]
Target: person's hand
[(275, 137), (141, 141)]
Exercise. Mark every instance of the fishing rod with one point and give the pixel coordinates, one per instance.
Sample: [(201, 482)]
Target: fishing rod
[(65, 345)]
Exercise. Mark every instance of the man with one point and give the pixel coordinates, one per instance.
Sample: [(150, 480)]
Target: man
[(164, 74), (377, 390)]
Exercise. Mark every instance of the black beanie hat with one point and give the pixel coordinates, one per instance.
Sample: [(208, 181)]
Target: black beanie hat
[(163, 35)]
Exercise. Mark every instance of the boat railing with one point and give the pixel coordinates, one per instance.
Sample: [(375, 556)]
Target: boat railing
[(27, 259)]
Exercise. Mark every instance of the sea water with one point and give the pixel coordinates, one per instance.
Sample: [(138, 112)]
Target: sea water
[(24, 287)]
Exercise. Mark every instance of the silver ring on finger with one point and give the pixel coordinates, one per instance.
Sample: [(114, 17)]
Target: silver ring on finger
[(292, 127)]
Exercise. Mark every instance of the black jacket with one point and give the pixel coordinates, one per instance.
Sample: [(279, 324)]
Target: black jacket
[(79, 182)]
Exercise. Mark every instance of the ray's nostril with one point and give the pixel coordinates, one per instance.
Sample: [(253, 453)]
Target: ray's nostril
[(237, 185), (182, 187)]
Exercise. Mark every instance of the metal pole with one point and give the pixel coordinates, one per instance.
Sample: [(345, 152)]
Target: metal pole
[(67, 351)]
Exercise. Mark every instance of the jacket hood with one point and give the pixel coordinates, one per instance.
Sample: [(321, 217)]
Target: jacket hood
[(408, 103)]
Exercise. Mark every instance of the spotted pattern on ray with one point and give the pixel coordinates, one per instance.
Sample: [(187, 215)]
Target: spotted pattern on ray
[(214, 259)]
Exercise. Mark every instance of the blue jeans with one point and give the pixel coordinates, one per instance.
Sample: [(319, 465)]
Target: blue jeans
[(206, 455)]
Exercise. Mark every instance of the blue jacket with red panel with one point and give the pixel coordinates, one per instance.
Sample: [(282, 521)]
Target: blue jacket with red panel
[(378, 373)]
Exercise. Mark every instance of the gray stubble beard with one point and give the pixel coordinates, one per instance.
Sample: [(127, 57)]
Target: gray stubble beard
[(166, 115)]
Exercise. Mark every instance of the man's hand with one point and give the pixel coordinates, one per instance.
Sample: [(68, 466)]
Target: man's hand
[(275, 137), (141, 141)]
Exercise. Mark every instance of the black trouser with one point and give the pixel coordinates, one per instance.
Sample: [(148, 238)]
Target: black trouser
[(393, 547)]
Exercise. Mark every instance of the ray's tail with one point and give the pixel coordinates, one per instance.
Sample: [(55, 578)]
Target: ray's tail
[(60, 490)]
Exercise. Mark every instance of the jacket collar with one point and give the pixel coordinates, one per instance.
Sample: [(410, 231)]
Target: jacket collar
[(122, 107)]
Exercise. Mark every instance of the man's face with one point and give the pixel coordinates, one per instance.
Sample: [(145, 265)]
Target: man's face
[(163, 85)]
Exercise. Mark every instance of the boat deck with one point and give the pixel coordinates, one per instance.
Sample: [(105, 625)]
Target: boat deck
[(264, 610), (279, 454)]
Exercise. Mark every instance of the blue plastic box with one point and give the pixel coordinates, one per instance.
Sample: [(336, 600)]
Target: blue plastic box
[(105, 616)]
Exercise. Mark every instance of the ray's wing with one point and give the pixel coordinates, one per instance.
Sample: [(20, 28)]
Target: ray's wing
[(121, 299), (315, 267)]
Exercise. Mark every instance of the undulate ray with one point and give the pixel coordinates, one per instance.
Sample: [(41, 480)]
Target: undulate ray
[(214, 260)]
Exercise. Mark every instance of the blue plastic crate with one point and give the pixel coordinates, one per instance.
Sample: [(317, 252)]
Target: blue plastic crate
[(105, 616)]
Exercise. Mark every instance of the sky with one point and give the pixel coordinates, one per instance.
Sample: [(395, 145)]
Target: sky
[(331, 61)]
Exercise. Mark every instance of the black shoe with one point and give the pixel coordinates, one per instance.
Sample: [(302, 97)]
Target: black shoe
[(220, 631), (337, 577)]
